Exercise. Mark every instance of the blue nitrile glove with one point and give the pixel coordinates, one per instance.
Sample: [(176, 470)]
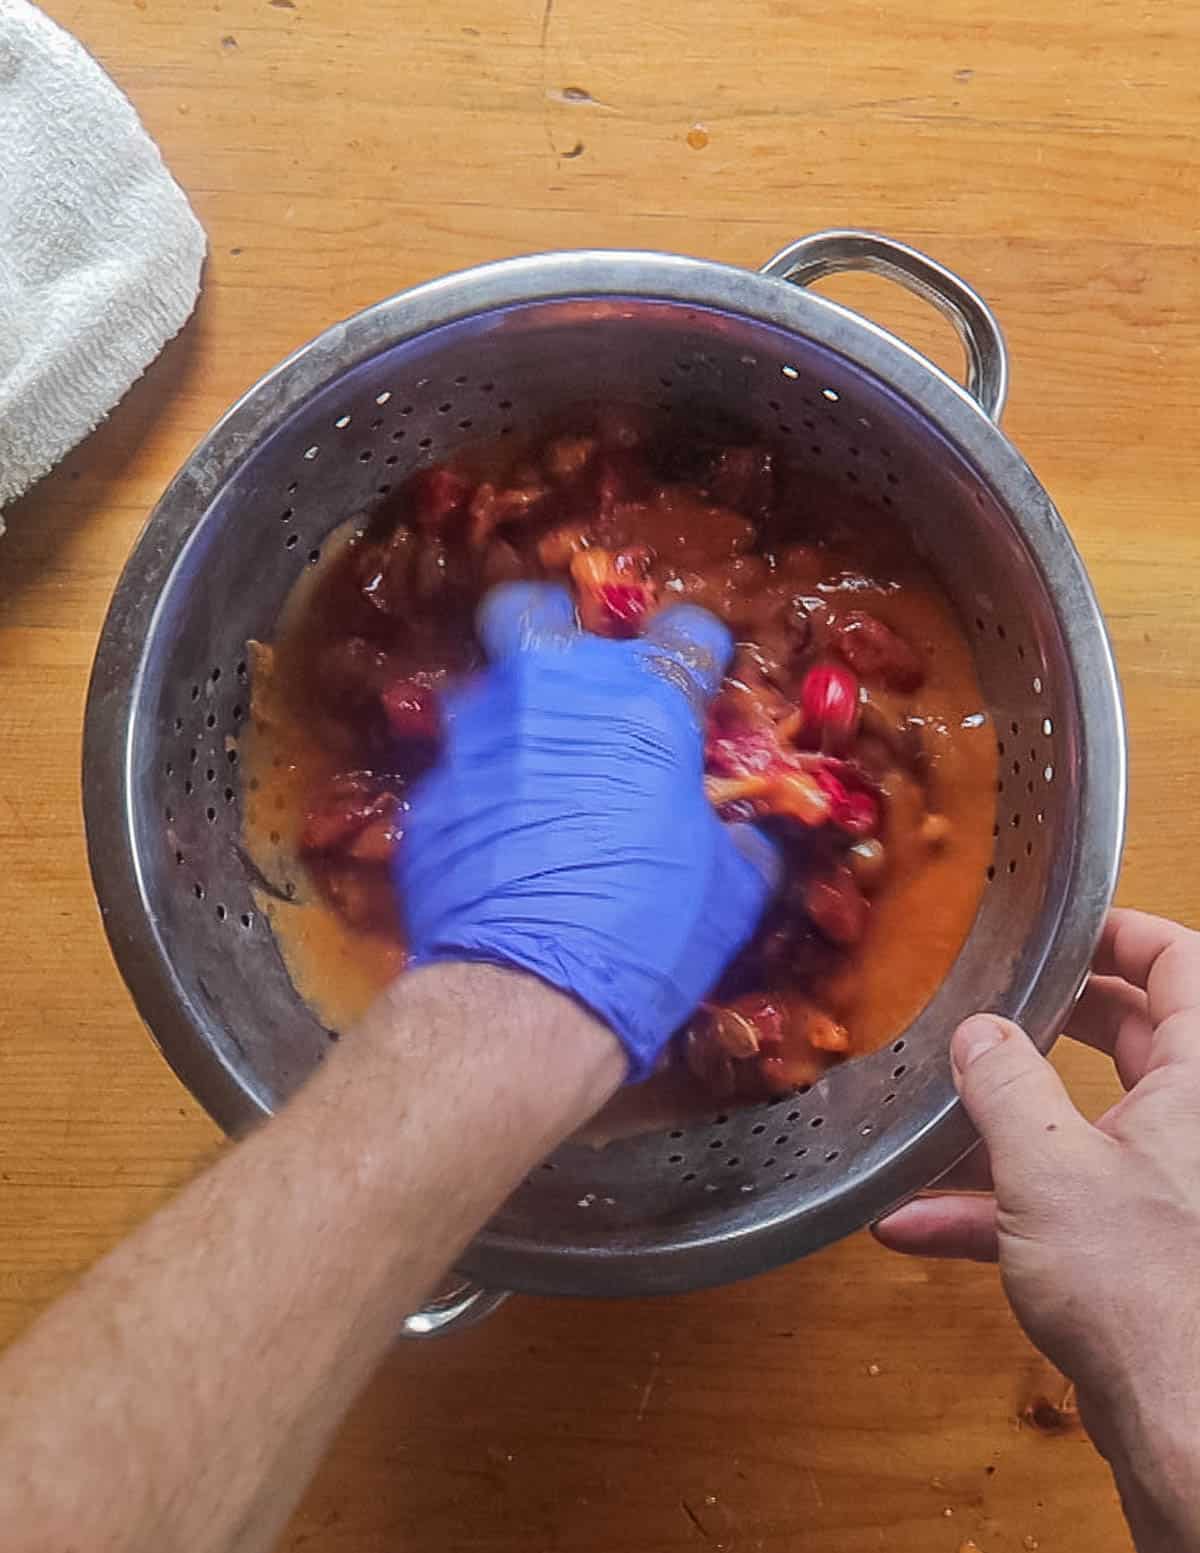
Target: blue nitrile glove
[(565, 830)]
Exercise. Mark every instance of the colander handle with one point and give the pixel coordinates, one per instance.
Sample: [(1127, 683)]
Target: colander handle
[(458, 1304), (835, 252)]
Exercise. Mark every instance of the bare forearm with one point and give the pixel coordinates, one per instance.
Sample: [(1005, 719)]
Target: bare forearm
[(1148, 1429), (181, 1395)]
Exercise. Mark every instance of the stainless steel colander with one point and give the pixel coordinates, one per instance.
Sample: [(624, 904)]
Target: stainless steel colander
[(471, 358)]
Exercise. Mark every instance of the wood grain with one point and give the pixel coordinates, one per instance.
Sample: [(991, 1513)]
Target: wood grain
[(339, 153)]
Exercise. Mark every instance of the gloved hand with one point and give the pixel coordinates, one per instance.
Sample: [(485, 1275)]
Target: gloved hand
[(565, 830)]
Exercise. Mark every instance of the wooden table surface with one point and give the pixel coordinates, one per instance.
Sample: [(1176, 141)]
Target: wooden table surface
[(337, 153)]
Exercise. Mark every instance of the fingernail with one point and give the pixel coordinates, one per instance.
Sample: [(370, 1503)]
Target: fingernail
[(973, 1038)]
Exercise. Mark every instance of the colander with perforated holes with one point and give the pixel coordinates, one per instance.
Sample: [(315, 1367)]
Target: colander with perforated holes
[(477, 356)]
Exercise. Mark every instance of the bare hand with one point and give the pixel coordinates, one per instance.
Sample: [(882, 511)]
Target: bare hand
[(1097, 1227)]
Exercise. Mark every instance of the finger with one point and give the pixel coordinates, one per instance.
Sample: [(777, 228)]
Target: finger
[(1112, 1017), (972, 1174), (943, 1225), (517, 615), (759, 851), (696, 641), (1176, 1039), (1160, 957), (1017, 1101)]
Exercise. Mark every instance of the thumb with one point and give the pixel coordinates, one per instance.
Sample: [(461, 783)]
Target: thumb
[(518, 615), (1018, 1104)]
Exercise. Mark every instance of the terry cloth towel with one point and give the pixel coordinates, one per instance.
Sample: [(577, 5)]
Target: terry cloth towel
[(100, 253)]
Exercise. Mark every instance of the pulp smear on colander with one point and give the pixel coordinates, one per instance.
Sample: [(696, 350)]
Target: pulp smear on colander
[(850, 721)]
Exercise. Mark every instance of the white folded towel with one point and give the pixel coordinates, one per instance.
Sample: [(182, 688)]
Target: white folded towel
[(100, 253)]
